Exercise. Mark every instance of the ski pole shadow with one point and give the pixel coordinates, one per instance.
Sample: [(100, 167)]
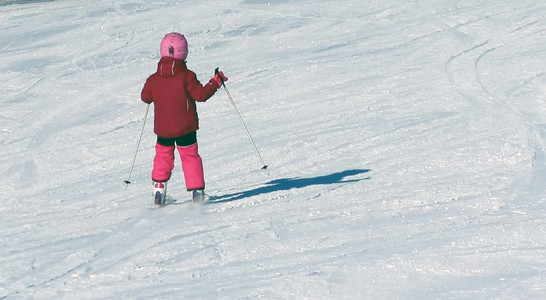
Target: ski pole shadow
[(284, 184), (23, 2)]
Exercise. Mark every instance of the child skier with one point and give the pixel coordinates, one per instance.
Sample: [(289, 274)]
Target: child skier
[(174, 89)]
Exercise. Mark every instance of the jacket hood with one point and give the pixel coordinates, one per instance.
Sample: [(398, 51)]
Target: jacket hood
[(170, 66)]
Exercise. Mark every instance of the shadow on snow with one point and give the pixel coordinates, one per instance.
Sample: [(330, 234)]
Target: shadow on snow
[(291, 183), (9, 2)]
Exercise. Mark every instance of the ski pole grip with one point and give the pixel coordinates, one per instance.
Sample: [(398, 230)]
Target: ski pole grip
[(221, 78)]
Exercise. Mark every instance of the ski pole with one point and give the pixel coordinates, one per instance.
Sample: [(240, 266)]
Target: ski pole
[(242, 121), (128, 181)]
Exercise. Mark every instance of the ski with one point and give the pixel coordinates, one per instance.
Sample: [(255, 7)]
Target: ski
[(169, 200), (159, 199)]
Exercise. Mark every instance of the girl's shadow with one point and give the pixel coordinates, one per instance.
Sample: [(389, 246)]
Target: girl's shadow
[(290, 183)]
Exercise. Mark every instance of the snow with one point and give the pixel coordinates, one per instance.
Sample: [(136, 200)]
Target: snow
[(405, 140)]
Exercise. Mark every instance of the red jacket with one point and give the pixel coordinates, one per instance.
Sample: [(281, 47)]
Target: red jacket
[(174, 90)]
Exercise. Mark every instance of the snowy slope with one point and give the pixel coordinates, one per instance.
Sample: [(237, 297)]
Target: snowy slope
[(405, 140)]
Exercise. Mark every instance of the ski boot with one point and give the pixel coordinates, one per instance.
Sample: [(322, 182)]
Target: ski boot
[(160, 193), (198, 196)]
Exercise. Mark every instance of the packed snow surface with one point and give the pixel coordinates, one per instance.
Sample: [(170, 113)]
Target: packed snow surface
[(406, 143)]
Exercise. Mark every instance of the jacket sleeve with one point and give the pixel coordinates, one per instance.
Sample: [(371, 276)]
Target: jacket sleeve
[(197, 91), (146, 94)]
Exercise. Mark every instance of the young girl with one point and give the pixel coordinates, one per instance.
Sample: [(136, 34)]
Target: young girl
[(174, 90)]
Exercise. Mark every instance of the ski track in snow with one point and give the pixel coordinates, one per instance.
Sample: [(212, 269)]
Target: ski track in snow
[(406, 143)]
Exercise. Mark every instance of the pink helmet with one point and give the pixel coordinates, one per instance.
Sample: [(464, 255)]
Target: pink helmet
[(175, 45)]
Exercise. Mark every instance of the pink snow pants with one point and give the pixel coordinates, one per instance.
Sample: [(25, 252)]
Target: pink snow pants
[(192, 165)]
